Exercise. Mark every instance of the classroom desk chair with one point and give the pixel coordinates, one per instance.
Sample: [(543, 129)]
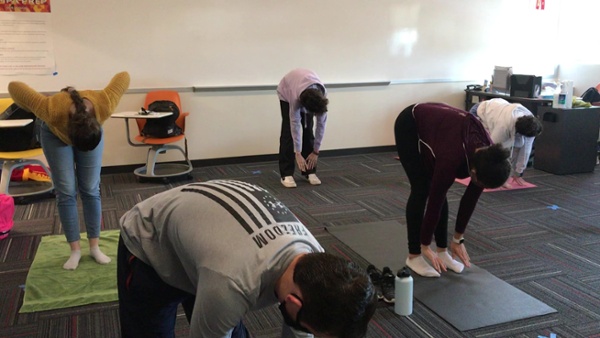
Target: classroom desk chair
[(153, 169), (13, 160)]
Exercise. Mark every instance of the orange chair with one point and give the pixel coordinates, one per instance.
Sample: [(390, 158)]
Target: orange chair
[(152, 169)]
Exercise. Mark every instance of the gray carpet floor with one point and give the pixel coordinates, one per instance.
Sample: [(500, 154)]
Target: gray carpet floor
[(544, 241)]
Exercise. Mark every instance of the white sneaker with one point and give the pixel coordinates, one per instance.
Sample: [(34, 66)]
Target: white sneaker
[(420, 266), (313, 179), (450, 262), (288, 182)]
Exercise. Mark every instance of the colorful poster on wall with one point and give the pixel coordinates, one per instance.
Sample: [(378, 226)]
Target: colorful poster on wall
[(25, 40), (27, 6)]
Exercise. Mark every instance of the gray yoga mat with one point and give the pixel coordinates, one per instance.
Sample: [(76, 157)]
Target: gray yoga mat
[(470, 300)]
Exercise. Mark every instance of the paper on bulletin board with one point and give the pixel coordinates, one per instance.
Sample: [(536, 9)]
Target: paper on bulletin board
[(25, 40)]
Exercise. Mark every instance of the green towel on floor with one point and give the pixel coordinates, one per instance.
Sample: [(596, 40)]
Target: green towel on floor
[(50, 287)]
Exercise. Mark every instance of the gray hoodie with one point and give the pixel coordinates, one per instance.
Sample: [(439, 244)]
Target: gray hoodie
[(227, 242)]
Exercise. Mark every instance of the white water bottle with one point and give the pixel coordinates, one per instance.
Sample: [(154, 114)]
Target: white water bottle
[(559, 98), (563, 96), (567, 88), (403, 304)]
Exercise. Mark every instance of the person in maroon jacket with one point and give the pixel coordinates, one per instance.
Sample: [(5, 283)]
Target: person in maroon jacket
[(436, 144)]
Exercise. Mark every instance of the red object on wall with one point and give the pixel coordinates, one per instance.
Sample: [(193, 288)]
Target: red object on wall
[(540, 4)]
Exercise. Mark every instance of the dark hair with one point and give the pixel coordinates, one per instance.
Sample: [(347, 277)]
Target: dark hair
[(492, 166), (314, 100), (85, 132), (338, 296), (529, 126)]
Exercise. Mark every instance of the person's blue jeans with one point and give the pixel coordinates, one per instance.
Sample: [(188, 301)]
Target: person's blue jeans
[(75, 171)]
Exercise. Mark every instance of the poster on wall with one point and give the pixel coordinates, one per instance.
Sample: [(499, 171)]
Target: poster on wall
[(25, 39), (28, 6)]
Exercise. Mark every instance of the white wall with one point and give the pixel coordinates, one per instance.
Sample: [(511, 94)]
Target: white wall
[(576, 46), (433, 48), (226, 124), (188, 43)]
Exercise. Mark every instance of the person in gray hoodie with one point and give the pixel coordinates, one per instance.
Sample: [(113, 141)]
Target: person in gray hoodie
[(223, 248)]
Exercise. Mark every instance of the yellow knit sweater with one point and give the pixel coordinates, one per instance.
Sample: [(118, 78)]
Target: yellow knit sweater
[(54, 110)]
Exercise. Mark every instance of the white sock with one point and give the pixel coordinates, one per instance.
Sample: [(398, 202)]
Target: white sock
[(450, 262), (421, 267), (73, 261), (99, 256)]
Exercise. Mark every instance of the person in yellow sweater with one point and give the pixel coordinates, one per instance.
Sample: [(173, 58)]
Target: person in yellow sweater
[(71, 137)]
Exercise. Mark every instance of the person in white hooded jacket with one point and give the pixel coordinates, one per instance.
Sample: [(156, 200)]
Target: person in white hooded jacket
[(512, 125)]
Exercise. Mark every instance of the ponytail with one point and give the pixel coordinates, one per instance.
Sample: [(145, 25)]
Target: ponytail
[(85, 132)]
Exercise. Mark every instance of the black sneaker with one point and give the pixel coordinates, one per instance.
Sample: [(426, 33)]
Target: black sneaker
[(375, 276), (388, 281)]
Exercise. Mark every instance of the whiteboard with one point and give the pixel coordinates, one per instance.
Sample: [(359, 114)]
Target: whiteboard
[(186, 43)]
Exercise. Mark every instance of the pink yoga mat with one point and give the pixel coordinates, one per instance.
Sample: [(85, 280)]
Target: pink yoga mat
[(514, 185)]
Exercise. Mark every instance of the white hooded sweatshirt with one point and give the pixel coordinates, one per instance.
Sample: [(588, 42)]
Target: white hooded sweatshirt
[(499, 117)]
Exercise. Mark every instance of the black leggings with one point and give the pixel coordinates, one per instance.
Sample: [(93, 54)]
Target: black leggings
[(407, 145), (287, 157)]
